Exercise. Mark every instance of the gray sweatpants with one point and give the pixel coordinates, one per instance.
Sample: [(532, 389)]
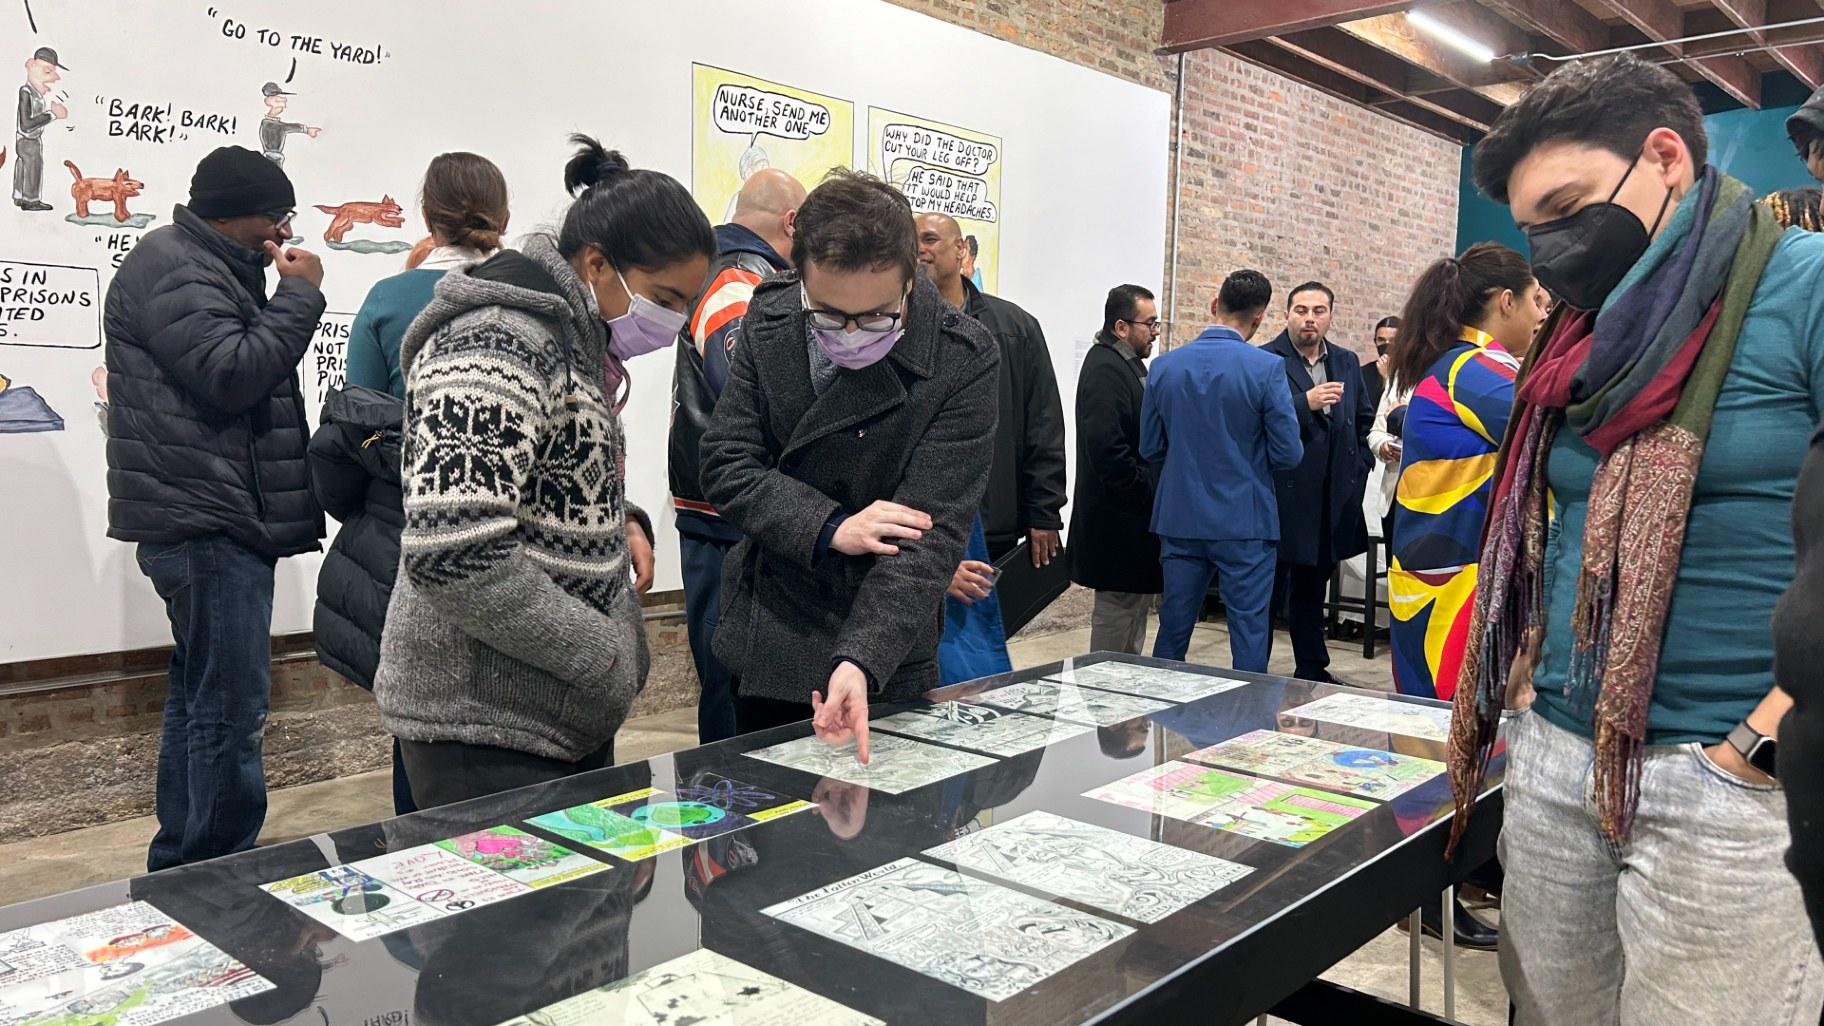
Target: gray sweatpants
[(1694, 920), (1117, 623)]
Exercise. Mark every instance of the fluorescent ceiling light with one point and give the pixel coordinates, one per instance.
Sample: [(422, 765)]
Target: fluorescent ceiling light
[(1450, 37)]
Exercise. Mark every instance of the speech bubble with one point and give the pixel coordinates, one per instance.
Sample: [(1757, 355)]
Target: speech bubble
[(937, 148), (936, 190), (744, 110)]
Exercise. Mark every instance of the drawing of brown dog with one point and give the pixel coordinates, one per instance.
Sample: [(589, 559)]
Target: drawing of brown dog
[(117, 190), (386, 214)]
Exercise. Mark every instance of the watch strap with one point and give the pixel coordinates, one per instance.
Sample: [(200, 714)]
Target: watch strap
[(1756, 748)]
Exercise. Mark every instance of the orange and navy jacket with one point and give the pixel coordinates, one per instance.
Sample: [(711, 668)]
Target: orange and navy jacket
[(713, 331)]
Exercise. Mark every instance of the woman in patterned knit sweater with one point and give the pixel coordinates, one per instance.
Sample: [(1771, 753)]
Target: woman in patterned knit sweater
[(514, 644)]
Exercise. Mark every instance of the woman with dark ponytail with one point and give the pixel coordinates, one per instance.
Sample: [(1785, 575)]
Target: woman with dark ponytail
[(1466, 325), (514, 643), (354, 456)]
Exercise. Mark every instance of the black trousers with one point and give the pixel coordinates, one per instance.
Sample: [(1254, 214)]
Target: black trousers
[(1300, 592), (753, 714), (446, 772)]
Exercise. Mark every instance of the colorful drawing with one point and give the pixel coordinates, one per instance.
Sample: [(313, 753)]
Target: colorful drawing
[(24, 411), (699, 989), (352, 902), (529, 859), (989, 940), (946, 170), (743, 124), (36, 112), (130, 965), (597, 825), (1367, 772), (115, 190), (1262, 809), (384, 213), (275, 130)]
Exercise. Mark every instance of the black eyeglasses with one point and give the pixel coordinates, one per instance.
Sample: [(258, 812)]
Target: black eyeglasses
[(279, 217), (826, 319), (1150, 322)]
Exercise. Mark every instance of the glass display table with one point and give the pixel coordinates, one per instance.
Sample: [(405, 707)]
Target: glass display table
[(1105, 840)]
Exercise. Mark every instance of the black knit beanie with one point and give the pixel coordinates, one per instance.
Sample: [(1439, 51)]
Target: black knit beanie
[(235, 181)]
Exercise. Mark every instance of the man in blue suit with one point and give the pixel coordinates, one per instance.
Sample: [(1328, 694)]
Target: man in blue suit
[(1219, 418), (1320, 500)]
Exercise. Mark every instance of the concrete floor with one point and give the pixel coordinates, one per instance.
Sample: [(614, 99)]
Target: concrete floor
[(60, 862)]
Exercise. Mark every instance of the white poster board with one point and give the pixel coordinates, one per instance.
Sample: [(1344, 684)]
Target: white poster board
[(151, 87)]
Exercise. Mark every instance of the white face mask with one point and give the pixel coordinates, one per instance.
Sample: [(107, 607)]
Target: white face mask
[(646, 326)]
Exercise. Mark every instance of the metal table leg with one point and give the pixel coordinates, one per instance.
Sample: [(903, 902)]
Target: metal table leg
[(1450, 953), (1415, 929)]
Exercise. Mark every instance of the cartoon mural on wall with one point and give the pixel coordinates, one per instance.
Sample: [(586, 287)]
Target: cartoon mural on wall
[(384, 213), (274, 130), (24, 411), (37, 109), (744, 124), (114, 190)]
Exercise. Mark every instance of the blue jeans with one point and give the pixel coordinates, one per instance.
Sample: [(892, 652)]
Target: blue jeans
[(211, 782), (702, 566), (1244, 572)]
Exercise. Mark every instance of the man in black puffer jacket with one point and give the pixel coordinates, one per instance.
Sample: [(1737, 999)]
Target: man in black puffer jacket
[(206, 437)]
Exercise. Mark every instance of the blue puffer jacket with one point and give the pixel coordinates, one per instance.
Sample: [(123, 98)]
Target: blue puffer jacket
[(354, 473), (206, 425)]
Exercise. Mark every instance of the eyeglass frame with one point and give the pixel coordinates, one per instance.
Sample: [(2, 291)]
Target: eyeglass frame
[(830, 322), (280, 217), (1153, 323)]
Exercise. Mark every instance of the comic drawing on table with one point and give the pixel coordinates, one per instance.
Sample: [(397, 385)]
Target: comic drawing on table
[(984, 938), (1068, 702), (130, 965), (1147, 681), (896, 765), (607, 826), (351, 902), (644, 823), (520, 856), (440, 878), (1106, 869), (751, 801), (1262, 809), (701, 988), (1381, 715), (981, 728), (1365, 772)]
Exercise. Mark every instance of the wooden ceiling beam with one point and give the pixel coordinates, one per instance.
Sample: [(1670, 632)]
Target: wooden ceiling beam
[(1337, 51), (1661, 20), (1200, 24), (1277, 59), (1805, 62), (1396, 35), (1564, 22)]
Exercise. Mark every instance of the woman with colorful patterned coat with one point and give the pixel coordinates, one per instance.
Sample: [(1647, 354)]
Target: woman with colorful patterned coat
[(1469, 321)]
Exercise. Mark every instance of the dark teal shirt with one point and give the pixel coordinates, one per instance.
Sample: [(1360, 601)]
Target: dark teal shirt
[(1716, 655), (373, 342)]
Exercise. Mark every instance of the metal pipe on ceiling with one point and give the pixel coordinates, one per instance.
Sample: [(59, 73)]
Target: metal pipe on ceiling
[(1528, 58)]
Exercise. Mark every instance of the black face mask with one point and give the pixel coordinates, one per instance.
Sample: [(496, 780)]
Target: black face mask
[(1581, 258)]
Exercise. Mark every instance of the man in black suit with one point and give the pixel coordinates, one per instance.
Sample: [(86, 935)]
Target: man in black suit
[(1320, 501), (1112, 547)]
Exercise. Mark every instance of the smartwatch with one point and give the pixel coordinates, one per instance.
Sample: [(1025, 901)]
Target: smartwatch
[(1755, 747)]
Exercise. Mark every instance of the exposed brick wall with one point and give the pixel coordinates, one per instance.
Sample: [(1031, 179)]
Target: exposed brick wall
[(1277, 176)]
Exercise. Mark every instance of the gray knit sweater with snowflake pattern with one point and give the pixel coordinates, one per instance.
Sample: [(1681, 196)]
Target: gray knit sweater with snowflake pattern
[(513, 623)]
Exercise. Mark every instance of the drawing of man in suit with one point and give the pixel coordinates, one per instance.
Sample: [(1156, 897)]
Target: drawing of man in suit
[(36, 111)]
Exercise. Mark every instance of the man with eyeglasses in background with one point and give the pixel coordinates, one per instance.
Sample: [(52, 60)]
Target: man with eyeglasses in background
[(850, 446), (1025, 496), (206, 472), (1112, 546)]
